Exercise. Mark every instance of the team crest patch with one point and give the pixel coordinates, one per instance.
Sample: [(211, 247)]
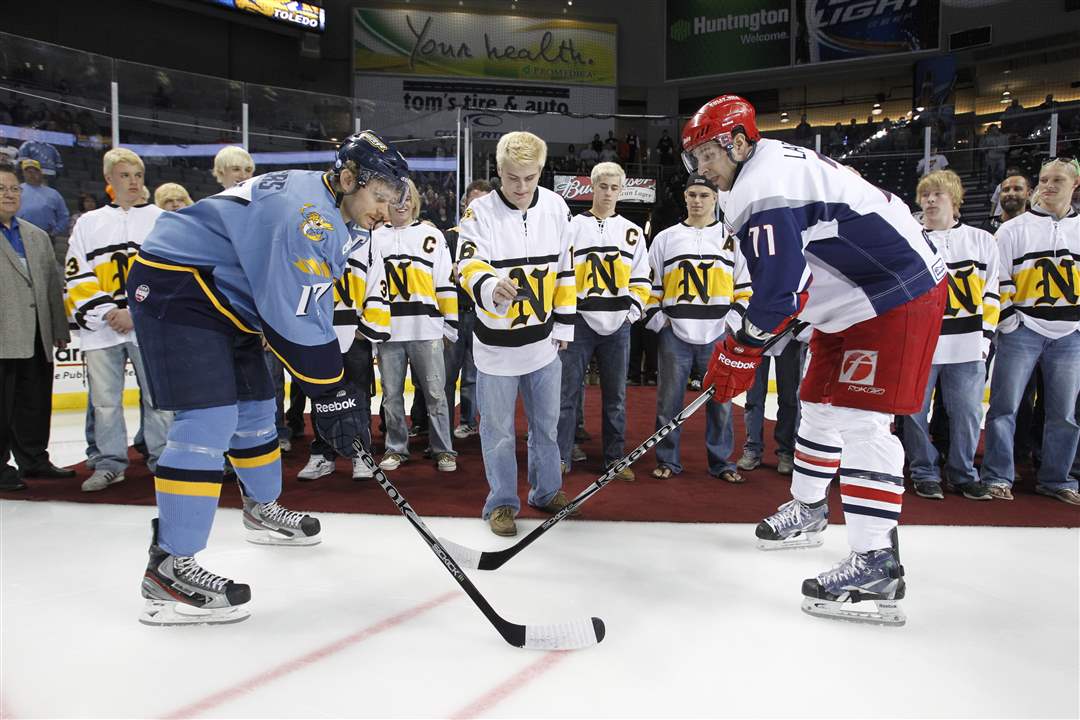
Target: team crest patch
[(859, 367), (142, 292), (468, 215), (373, 141), (315, 226)]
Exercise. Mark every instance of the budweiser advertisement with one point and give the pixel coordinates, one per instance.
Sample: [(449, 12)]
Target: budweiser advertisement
[(578, 188)]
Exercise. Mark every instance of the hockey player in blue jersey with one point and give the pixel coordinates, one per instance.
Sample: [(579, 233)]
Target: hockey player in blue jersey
[(210, 282), (826, 247)]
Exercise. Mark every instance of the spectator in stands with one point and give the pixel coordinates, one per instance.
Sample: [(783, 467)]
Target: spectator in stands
[(85, 204), (788, 355), (959, 363), (102, 246), (804, 134), (610, 153), (698, 277), (233, 165), (1010, 118), (1011, 197), (9, 154), (836, 140), (423, 317), (1040, 322), (42, 205), (597, 144), (937, 162), (32, 323), (171, 197), (666, 148), (587, 158), (632, 145), (47, 155), (996, 146)]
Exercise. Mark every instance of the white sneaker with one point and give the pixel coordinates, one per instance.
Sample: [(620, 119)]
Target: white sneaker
[(446, 462), (360, 470), (577, 454), (285, 444), (463, 431), (317, 467), (101, 479), (391, 461)]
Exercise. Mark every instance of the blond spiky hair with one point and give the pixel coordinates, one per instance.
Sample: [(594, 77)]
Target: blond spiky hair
[(608, 169), (231, 155), (522, 148), (120, 155)]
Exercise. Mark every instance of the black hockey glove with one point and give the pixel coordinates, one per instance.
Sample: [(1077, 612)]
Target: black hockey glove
[(339, 418)]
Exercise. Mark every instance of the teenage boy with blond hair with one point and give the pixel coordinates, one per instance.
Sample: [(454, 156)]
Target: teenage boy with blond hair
[(611, 271), (959, 363), (103, 243), (232, 166), (515, 262)]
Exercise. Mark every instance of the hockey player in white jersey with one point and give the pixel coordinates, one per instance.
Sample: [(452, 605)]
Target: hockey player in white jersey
[(830, 249)]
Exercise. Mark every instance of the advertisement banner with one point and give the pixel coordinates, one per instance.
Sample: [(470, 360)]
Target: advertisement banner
[(705, 37), (307, 15), (578, 188), (69, 377), (435, 43), (850, 29)]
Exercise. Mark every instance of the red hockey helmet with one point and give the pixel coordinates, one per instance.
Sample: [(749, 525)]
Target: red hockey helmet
[(718, 120)]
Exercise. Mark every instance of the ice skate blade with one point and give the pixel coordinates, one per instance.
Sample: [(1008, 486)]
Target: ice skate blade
[(268, 537), (888, 612), (799, 542), (163, 613)]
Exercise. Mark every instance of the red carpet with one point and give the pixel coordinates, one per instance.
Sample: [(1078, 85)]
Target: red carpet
[(693, 496)]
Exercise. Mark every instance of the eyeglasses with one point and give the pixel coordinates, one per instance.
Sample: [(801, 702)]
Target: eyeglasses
[(13, 189)]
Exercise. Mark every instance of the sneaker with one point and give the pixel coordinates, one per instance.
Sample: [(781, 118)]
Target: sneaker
[(577, 454), (694, 385), (429, 453), (392, 461), (101, 479), (463, 431), (970, 490), (445, 462), (417, 431), (626, 474), (785, 464), (748, 461), (929, 489), (1065, 495), (285, 444), (501, 521), (360, 470), (1001, 492), (317, 466), (580, 435), (555, 504)]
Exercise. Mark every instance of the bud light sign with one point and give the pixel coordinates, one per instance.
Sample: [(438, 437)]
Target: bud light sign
[(578, 188)]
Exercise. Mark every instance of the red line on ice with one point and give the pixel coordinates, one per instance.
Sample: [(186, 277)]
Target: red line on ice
[(511, 685), (287, 668)]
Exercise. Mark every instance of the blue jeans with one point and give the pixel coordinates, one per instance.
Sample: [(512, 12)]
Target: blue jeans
[(426, 358), (497, 396), (788, 374), (676, 358), (458, 359), (962, 387), (612, 354), (105, 368), (1017, 353)]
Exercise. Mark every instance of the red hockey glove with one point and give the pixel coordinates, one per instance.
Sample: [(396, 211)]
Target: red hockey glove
[(732, 368)]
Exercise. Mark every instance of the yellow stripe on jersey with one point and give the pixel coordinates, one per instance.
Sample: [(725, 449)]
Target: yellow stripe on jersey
[(699, 281), (448, 304), (965, 293), (1051, 282), (409, 282), (601, 275), (205, 288), (184, 487), (313, 266)]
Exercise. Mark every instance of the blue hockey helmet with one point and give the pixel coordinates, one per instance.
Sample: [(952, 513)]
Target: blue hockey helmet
[(374, 159)]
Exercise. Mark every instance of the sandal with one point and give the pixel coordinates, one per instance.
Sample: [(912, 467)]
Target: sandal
[(731, 476), (662, 472)]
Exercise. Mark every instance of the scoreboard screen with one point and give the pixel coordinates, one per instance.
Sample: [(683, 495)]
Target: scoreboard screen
[(307, 15)]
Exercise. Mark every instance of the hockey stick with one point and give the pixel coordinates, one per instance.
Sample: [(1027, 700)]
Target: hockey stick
[(564, 636), (494, 559)]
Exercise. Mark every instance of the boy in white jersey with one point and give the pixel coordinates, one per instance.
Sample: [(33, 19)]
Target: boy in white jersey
[(423, 312), (515, 261), (612, 275), (698, 276), (1040, 323), (959, 364)]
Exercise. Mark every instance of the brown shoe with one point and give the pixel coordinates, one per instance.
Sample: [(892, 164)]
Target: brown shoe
[(626, 475), (1065, 495), (1001, 492), (501, 521), (555, 504)]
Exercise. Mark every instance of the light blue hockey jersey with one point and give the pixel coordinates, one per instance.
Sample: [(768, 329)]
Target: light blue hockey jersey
[(260, 257)]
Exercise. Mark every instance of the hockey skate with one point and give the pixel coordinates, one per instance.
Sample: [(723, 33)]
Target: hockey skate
[(876, 575), (271, 524), (180, 592), (794, 525)]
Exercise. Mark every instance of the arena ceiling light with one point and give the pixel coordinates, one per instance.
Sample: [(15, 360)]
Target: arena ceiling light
[(877, 109)]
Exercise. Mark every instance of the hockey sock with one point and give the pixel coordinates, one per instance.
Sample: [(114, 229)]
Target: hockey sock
[(871, 482), (188, 477), (254, 451), (818, 446)]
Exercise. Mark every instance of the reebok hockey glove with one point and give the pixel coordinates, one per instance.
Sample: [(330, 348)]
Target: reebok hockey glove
[(339, 418), (732, 368)]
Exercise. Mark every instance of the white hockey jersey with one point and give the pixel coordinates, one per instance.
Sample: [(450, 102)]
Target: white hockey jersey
[(532, 249), (971, 312), (698, 276), (102, 245), (1040, 273), (806, 223), (417, 264), (360, 295), (611, 270)]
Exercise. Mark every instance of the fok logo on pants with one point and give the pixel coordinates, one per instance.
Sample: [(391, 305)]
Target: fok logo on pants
[(859, 367)]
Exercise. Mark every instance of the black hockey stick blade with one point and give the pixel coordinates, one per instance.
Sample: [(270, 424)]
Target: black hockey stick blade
[(572, 635), (494, 559)]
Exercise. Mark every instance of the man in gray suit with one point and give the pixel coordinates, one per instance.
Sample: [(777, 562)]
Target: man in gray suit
[(32, 321)]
